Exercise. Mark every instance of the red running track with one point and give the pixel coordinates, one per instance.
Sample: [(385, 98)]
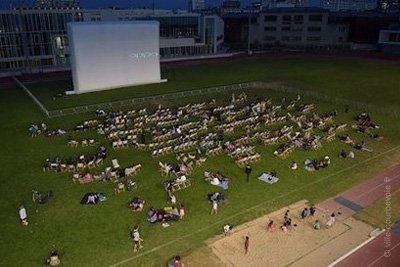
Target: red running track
[(365, 193), (383, 251)]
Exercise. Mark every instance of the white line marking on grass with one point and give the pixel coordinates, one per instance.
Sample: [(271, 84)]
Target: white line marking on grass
[(252, 208)]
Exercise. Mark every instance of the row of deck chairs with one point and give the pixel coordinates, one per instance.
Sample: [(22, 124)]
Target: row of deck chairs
[(248, 159), (83, 143)]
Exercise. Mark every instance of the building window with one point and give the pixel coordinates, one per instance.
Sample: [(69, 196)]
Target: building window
[(270, 18), (285, 29), (342, 29), (298, 19), (271, 29), (314, 38), (269, 38), (286, 19), (296, 38), (314, 29), (340, 39), (285, 38), (315, 18), (392, 37), (297, 29)]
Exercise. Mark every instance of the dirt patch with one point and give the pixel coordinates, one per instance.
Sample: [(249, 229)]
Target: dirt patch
[(300, 247)]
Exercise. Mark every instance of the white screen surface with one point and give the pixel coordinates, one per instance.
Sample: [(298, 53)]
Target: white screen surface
[(114, 54)]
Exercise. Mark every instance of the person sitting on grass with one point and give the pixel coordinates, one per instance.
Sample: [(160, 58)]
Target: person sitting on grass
[(309, 166), (294, 166), (227, 229), (346, 139), (345, 155), (152, 215), (361, 146), (53, 260), (136, 205), (92, 199)]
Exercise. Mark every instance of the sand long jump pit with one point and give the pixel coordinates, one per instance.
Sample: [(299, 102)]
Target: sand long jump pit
[(299, 247)]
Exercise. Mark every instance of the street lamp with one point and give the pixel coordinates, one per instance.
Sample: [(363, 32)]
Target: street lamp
[(248, 33)]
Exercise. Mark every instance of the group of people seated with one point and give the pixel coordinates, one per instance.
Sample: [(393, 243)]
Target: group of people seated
[(346, 139), (317, 164), (81, 163), (168, 169), (165, 215), (359, 146), (364, 123), (92, 198), (287, 223), (217, 197), (137, 204), (217, 179), (35, 129), (345, 155)]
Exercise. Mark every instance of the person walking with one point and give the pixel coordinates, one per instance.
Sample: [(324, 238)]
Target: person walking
[(248, 170), (246, 244), (23, 216), (136, 238)]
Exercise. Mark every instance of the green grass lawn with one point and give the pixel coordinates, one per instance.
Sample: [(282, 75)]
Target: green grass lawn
[(327, 75), (99, 235), (383, 213)]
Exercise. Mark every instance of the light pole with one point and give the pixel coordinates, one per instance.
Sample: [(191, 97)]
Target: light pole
[(248, 31), (249, 52)]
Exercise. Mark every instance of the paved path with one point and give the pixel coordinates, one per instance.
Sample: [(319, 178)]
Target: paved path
[(384, 250)]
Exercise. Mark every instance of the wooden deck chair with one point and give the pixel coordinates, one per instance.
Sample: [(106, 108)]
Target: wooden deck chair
[(71, 167), (137, 168), (99, 161), (114, 175), (80, 166), (73, 143), (91, 164), (115, 163), (63, 167)]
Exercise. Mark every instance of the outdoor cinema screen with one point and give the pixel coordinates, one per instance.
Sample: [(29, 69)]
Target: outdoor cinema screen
[(106, 55)]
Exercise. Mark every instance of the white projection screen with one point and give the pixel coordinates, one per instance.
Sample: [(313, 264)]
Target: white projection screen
[(114, 54)]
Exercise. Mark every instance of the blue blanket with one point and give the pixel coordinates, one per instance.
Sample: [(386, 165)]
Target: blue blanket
[(223, 184)]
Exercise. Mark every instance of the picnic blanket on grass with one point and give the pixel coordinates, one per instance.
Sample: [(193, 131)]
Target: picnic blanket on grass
[(268, 178)]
